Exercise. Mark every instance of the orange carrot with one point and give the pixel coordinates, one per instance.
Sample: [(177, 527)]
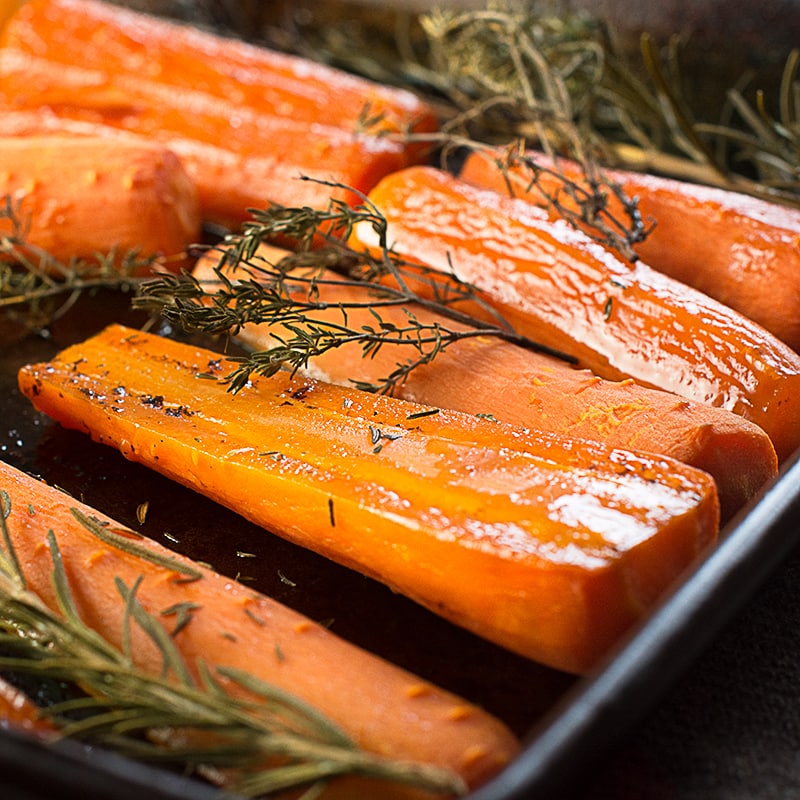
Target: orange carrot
[(121, 42), (238, 158), (84, 196), (551, 547), (522, 387), (739, 250), (385, 710), (19, 712), (556, 286)]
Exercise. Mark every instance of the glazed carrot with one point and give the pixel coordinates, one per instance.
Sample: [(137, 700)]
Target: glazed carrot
[(238, 158), (125, 43), (383, 708), (523, 387), (556, 286), (80, 196), (737, 249), (19, 712), (548, 546)]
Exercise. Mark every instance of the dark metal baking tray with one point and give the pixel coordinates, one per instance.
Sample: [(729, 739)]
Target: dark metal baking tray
[(568, 723)]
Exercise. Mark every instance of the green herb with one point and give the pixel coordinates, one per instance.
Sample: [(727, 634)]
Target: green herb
[(124, 708)]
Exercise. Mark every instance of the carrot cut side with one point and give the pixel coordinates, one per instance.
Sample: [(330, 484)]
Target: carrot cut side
[(556, 286), (551, 547), (81, 197), (239, 159), (382, 707), (489, 376), (737, 249)]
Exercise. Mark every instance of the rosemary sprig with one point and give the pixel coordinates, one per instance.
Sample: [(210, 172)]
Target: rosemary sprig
[(37, 288), (287, 295), (266, 745)]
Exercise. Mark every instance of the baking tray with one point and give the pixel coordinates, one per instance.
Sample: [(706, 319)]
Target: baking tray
[(569, 724)]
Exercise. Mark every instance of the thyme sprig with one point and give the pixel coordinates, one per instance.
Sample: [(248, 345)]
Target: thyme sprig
[(264, 745), (289, 295), (37, 288)]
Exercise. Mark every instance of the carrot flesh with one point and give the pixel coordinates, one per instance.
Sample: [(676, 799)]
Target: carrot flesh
[(128, 43), (385, 709), (522, 387), (19, 712), (550, 547), (239, 159), (84, 196), (559, 288), (740, 250)]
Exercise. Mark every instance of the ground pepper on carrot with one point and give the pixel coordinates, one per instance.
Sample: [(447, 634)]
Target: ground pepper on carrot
[(523, 387), (384, 709), (551, 547), (740, 250), (556, 286)]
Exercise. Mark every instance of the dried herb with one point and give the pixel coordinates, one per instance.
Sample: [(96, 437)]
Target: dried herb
[(249, 289), (268, 746)]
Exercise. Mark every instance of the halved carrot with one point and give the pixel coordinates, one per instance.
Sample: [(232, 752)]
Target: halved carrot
[(126, 43), (88, 195), (556, 286), (523, 387), (238, 158), (383, 708), (551, 547), (737, 249)]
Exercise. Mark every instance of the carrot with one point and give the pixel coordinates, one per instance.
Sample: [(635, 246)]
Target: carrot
[(239, 159), (737, 249), (556, 286), (81, 196), (106, 37), (19, 712), (530, 389), (548, 546), (382, 707)]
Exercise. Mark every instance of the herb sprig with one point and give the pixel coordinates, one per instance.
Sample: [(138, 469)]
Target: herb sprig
[(265, 745), (289, 295)]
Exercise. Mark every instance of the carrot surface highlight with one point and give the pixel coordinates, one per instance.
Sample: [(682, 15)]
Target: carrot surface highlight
[(77, 197), (556, 286), (383, 708), (551, 547), (238, 158), (740, 250), (489, 376), (19, 712), (122, 42)]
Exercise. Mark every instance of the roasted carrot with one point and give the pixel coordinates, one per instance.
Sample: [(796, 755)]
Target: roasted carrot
[(19, 712), (523, 387), (737, 249), (556, 286), (383, 708), (84, 196), (548, 546), (126, 43), (239, 159)]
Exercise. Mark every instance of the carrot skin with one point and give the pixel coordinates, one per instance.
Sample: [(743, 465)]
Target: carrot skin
[(239, 159), (488, 525), (19, 712), (126, 43), (557, 287), (384, 708), (740, 250), (84, 196), (489, 376)]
